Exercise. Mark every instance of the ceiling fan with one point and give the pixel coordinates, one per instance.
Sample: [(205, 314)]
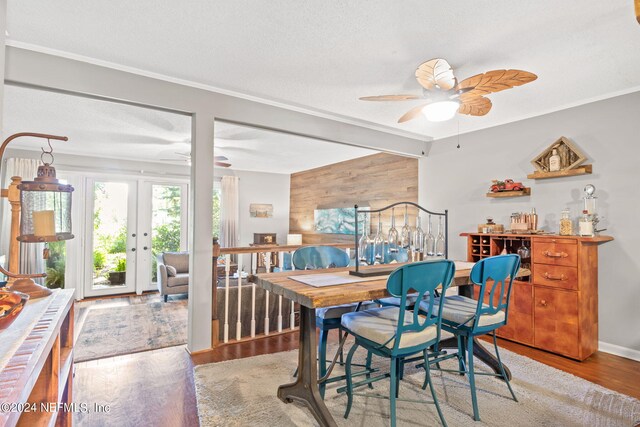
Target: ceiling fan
[(445, 96), (219, 161)]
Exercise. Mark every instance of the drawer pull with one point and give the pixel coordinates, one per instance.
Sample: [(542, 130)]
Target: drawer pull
[(543, 303), (555, 254), (551, 277)]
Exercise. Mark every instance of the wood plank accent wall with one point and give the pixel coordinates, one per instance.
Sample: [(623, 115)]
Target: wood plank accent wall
[(376, 181)]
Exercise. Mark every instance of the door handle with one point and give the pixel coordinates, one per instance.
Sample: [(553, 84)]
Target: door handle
[(133, 249), (145, 248)]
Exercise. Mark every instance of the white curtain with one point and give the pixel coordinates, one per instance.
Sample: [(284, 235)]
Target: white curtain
[(30, 253), (229, 212)]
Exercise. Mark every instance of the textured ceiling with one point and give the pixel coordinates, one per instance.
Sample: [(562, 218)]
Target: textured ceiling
[(120, 131), (324, 55)]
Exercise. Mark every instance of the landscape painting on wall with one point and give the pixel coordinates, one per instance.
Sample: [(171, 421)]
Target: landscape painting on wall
[(337, 221), (260, 210)]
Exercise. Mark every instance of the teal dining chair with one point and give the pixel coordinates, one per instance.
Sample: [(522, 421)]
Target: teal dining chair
[(396, 333), (468, 318), (327, 318)]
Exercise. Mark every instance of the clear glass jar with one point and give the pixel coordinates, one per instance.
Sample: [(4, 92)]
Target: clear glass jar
[(566, 224)]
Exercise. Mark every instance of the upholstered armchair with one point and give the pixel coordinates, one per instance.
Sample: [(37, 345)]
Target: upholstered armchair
[(173, 273)]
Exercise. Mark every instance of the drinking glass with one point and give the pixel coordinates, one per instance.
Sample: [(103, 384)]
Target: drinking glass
[(430, 241), (440, 243), (393, 234)]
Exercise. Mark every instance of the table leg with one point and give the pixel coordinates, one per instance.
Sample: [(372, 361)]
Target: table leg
[(305, 388)]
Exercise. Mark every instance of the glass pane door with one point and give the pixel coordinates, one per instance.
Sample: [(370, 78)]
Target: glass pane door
[(168, 221), (112, 237)]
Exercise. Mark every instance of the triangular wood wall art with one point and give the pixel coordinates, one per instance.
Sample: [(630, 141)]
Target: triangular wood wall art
[(570, 155)]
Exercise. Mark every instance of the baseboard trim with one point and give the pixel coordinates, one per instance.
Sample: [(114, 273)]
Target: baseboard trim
[(618, 350)]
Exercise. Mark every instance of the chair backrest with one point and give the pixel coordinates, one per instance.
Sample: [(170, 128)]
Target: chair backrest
[(179, 260), (495, 277), (317, 257), (424, 278)]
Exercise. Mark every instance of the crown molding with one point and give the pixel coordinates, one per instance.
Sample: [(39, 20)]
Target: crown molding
[(223, 91)]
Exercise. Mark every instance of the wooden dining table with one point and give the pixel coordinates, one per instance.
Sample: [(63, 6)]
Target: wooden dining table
[(305, 388)]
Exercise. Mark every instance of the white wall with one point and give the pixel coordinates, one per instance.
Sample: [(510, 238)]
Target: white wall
[(261, 187), (69, 75), (607, 132)]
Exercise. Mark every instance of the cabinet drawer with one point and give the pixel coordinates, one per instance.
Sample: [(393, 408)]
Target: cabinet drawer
[(555, 276), (555, 320), (556, 253)]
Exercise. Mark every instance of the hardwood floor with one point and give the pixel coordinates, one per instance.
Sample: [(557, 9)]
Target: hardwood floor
[(153, 388), (156, 387)]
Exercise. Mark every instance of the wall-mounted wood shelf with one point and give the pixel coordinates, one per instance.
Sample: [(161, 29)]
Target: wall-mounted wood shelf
[(581, 170), (525, 192)]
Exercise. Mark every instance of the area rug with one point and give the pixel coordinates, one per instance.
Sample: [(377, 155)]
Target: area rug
[(243, 393), (112, 331)]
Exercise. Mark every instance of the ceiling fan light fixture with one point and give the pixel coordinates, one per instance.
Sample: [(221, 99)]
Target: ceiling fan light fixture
[(440, 111)]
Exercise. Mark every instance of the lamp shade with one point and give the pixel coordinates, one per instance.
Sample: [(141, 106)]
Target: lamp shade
[(294, 239), (45, 204)]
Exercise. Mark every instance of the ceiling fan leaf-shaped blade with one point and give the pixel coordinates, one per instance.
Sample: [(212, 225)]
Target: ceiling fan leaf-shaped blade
[(390, 98), (474, 105), (495, 81), (222, 165), (411, 114), (436, 73), (220, 158)]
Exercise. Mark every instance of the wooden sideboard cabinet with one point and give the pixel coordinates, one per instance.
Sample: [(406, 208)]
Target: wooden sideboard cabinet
[(36, 372), (556, 308)]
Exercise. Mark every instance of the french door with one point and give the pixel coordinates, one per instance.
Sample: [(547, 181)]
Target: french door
[(128, 223)]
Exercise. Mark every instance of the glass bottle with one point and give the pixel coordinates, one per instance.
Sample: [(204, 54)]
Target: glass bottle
[(393, 234), (417, 241), (566, 225), (430, 241), (405, 233), (440, 242), (364, 244), (378, 243)]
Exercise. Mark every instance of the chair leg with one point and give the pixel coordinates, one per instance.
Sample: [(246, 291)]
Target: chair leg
[(398, 376), (504, 375), (166, 297), (349, 380), (393, 391), (472, 382), (340, 332), (322, 357), (427, 378), (461, 355), (368, 367), (433, 392)]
